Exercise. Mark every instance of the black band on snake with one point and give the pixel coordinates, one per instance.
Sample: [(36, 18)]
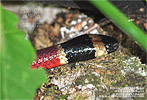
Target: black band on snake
[(82, 48)]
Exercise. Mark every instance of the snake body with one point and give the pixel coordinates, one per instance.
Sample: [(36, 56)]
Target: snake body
[(82, 48)]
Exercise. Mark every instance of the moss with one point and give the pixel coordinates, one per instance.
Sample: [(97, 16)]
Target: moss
[(62, 97), (79, 97), (92, 79), (54, 92)]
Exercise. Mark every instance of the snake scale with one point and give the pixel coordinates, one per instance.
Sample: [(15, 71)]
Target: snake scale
[(81, 48)]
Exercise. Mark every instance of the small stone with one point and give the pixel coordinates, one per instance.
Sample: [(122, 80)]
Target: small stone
[(141, 9)]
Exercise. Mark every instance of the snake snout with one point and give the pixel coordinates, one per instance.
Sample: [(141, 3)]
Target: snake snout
[(110, 43)]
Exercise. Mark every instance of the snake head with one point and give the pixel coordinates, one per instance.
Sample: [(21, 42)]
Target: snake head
[(110, 43)]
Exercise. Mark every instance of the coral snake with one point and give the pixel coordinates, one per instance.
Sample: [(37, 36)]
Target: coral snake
[(82, 48)]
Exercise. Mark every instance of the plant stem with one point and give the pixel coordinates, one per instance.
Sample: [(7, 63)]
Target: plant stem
[(122, 21)]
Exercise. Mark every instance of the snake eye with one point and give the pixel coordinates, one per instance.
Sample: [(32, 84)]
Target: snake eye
[(110, 43)]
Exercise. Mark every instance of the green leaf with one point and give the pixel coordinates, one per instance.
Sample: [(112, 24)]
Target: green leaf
[(18, 80)]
